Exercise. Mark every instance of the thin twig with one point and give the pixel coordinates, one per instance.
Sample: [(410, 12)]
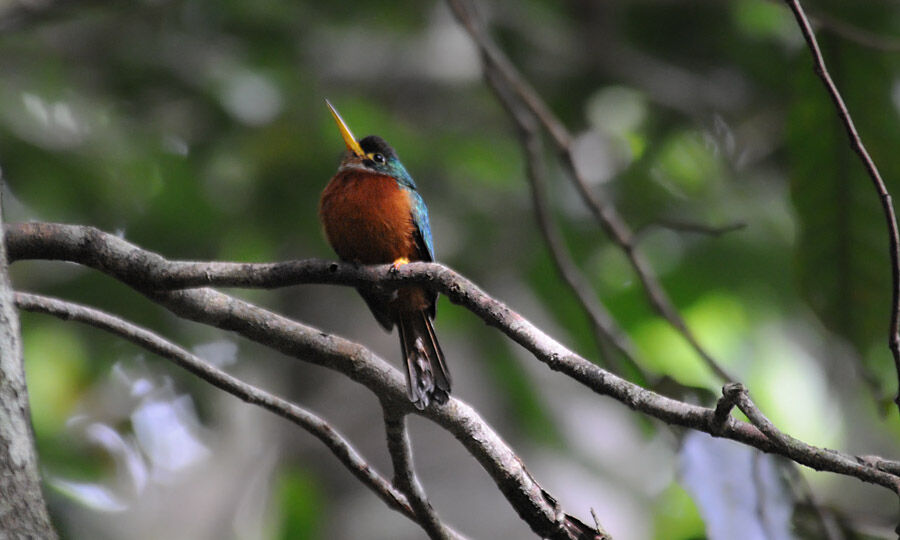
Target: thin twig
[(883, 194), (146, 339), (494, 60), (858, 35), (405, 476), (850, 32), (689, 227), (148, 272), (600, 530)]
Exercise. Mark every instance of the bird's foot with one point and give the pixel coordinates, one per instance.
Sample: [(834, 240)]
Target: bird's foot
[(398, 263)]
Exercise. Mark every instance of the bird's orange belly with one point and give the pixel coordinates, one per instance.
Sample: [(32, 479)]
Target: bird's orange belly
[(367, 219)]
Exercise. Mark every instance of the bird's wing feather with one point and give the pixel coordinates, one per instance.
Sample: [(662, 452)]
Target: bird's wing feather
[(423, 227), (422, 236)]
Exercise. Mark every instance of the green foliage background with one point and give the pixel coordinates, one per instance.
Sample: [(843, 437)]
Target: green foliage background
[(197, 129)]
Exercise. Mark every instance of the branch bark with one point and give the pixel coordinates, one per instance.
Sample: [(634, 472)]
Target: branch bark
[(147, 271), (142, 269), (23, 512), (405, 477)]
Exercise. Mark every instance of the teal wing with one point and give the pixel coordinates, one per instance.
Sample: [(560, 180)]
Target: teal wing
[(423, 227), (422, 234)]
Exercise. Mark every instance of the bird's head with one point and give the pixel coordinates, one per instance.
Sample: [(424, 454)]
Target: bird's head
[(371, 153)]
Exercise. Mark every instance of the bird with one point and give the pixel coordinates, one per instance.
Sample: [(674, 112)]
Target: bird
[(372, 213)]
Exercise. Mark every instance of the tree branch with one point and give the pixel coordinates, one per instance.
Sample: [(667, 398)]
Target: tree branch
[(850, 32), (158, 345), (689, 227), (23, 511), (791, 446), (884, 196), (405, 476), (498, 67), (147, 271), (140, 269)]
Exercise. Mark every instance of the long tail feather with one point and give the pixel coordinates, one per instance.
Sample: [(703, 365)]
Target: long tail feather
[(427, 377)]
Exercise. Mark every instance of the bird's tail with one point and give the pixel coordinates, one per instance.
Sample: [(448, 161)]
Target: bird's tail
[(427, 376)]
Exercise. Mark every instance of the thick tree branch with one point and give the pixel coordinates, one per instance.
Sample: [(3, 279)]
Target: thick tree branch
[(534, 505), (884, 196), (141, 337), (500, 70), (405, 476), (145, 271), (140, 269), (23, 511)]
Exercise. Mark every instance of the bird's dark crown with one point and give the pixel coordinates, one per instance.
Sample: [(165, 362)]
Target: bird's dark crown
[(375, 144)]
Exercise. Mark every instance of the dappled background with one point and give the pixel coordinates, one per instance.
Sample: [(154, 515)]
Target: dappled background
[(197, 129)]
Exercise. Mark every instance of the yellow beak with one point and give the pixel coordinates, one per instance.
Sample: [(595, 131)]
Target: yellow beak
[(349, 139)]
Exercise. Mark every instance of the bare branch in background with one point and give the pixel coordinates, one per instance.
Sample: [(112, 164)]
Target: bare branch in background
[(884, 196), (606, 329), (498, 68), (688, 227), (18, 14), (857, 35), (147, 271), (405, 476), (850, 32)]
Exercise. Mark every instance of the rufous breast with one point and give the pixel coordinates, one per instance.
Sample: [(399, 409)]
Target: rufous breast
[(367, 218)]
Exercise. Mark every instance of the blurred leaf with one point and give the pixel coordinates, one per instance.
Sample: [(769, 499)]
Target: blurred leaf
[(792, 388), (687, 164), (762, 19), (302, 505), (490, 162), (676, 517), (55, 366), (666, 352), (719, 322)]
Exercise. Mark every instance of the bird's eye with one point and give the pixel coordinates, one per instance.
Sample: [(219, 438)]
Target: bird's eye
[(378, 158)]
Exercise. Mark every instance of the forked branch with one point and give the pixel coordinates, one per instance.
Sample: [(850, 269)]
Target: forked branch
[(150, 273)]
